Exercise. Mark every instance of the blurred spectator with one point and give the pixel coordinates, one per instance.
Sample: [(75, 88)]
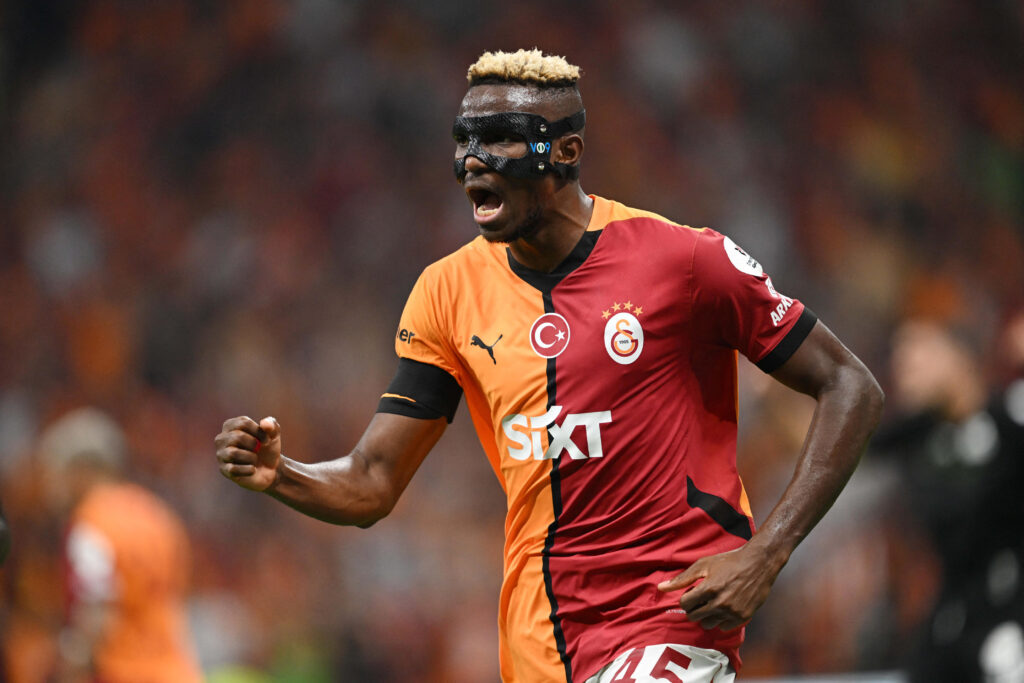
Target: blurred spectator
[(961, 452), (126, 557)]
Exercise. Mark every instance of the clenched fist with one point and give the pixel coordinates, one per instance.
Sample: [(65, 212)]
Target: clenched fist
[(249, 452)]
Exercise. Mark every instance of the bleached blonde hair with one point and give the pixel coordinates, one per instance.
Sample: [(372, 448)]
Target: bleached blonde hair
[(531, 67)]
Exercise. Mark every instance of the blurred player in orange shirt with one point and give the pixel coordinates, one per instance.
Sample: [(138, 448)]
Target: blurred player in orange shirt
[(127, 562)]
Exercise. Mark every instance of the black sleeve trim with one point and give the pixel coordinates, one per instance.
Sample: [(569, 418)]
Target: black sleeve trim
[(422, 391), (790, 343)]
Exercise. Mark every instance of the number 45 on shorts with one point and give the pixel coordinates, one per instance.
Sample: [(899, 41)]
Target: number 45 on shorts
[(667, 663)]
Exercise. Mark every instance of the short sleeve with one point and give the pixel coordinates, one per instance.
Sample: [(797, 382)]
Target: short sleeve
[(421, 331), (735, 304), (425, 384)]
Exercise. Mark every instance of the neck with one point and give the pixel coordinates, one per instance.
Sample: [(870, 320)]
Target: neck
[(564, 222)]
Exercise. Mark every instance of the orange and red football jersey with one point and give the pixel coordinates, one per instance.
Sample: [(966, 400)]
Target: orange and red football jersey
[(604, 395)]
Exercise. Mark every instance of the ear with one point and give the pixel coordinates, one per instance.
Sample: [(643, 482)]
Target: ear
[(568, 150)]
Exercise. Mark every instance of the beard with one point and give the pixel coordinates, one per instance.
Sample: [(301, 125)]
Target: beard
[(526, 228), (529, 227)]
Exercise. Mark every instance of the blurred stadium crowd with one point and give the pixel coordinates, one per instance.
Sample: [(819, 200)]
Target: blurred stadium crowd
[(218, 208)]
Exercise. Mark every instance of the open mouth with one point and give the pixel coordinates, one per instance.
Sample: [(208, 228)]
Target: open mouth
[(486, 204)]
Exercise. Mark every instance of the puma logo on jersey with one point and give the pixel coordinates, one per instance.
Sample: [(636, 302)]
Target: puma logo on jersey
[(489, 348), (525, 432)]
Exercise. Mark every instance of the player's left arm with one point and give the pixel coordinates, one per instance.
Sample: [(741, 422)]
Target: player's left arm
[(725, 590)]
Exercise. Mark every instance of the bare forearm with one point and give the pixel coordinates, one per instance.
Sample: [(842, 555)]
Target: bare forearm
[(343, 491), (848, 410), (363, 486)]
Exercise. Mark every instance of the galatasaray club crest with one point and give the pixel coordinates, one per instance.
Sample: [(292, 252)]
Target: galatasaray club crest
[(549, 335), (623, 335)]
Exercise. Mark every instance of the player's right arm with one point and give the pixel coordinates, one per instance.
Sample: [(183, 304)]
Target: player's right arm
[(357, 489), (363, 486)]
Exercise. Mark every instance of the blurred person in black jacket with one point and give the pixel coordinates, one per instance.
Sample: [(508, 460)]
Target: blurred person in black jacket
[(5, 537), (961, 454)]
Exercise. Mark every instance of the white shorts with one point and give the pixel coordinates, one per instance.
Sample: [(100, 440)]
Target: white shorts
[(667, 663)]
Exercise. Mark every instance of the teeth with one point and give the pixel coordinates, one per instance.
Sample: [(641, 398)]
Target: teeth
[(486, 212)]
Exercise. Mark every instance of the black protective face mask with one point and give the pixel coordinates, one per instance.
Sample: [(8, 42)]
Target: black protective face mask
[(476, 131)]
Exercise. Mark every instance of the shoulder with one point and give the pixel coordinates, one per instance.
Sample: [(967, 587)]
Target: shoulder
[(618, 218), (124, 509), (715, 252), (646, 236), (470, 262), (472, 254)]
